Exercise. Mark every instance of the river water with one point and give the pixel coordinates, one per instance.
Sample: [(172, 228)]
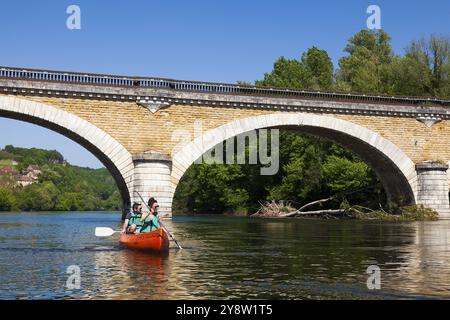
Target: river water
[(223, 258)]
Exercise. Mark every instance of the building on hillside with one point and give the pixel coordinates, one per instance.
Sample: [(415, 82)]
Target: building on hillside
[(33, 171), (34, 168), (7, 170), (24, 180)]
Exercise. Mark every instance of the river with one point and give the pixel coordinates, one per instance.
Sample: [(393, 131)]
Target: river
[(224, 258)]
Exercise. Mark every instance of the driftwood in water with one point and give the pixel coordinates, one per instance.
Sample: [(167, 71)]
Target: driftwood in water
[(284, 209), (312, 213), (273, 209), (315, 202)]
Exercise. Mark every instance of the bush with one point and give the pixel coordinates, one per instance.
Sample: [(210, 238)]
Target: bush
[(7, 200), (407, 213)]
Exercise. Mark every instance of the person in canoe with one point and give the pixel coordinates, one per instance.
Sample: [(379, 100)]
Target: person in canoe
[(133, 220), (150, 220)]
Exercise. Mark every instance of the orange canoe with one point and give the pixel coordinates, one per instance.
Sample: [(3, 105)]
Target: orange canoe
[(154, 241)]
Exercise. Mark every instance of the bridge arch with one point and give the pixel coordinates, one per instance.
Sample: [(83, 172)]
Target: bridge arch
[(109, 151), (394, 168)]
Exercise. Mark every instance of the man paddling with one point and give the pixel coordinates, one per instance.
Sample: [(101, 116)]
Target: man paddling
[(150, 220), (133, 220)]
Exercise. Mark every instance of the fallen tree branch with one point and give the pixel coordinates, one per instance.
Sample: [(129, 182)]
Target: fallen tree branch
[(340, 194), (276, 209), (316, 202), (309, 213)]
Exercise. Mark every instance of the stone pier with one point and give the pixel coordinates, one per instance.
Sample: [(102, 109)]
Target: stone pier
[(432, 188), (152, 179)]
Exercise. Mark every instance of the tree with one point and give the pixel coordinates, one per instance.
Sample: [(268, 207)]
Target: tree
[(39, 197), (431, 57), (301, 172), (7, 200), (286, 73), (319, 66), (367, 67), (314, 71), (216, 188), (343, 174), (408, 77)]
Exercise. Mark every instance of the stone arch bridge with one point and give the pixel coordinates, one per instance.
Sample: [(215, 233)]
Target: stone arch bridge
[(142, 129)]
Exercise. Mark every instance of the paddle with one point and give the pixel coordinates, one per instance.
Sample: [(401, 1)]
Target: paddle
[(104, 232), (164, 228)]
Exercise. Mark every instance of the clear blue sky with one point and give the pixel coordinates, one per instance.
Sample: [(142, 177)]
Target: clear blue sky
[(209, 40)]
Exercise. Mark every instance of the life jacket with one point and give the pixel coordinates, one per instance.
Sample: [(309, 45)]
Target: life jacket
[(150, 224), (135, 218)]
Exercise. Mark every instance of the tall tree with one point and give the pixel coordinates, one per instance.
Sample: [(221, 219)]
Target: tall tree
[(313, 71), (366, 67), (432, 57), (286, 73), (319, 68)]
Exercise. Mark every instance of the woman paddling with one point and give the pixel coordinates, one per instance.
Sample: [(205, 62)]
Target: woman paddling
[(150, 220)]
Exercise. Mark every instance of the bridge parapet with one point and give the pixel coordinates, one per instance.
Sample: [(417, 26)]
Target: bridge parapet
[(136, 83)]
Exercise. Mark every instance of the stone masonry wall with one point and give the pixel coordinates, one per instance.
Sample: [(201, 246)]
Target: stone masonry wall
[(139, 130)]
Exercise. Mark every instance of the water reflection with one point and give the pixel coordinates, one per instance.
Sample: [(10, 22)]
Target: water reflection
[(424, 265), (129, 274)]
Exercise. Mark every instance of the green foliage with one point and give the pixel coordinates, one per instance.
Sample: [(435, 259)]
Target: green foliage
[(286, 73), (301, 179), (38, 197), (319, 67), (372, 67), (343, 174), (314, 71), (408, 213), (32, 156), (431, 57), (367, 66), (60, 186), (315, 169), (409, 77), (216, 188), (7, 200)]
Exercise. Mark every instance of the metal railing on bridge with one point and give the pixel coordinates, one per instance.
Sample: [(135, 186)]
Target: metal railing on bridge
[(196, 86)]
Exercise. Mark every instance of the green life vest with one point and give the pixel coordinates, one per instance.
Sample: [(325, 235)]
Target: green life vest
[(135, 218), (150, 224)]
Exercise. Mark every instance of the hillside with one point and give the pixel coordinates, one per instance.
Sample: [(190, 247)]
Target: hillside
[(41, 180)]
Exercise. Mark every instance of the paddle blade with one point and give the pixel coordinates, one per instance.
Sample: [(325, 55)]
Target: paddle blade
[(103, 232)]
